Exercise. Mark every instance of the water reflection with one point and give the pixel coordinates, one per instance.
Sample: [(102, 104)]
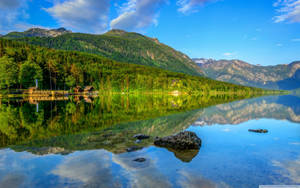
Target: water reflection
[(90, 169), (273, 107), (289, 169), (20, 122), (79, 144)]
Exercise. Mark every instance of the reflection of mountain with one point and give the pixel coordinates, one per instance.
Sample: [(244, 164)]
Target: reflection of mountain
[(273, 107), (20, 122), (115, 139), (101, 125)]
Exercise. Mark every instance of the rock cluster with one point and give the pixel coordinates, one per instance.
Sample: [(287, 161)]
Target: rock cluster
[(133, 148), (181, 141)]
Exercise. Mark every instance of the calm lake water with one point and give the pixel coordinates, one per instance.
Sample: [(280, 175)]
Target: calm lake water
[(82, 142)]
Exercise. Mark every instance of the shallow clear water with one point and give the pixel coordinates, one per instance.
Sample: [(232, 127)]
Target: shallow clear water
[(51, 152)]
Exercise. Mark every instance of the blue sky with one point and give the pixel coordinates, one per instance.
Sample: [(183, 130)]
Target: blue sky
[(265, 32)]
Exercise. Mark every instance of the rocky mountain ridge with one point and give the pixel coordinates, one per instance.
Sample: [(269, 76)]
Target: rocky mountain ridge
[(284, 76), (38, 32)]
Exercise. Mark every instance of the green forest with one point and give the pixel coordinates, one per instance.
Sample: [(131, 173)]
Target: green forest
[(21, 64)]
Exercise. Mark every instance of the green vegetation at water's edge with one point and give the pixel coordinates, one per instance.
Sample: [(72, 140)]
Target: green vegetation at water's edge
[(21, 64)]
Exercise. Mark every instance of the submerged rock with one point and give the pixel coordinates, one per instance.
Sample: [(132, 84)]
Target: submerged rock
[(141, 136), (140, 160), (133, 148), (182, 141), (185, 155), (258, 130)]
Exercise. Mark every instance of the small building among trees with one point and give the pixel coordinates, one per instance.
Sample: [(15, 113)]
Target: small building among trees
[(78, 89)]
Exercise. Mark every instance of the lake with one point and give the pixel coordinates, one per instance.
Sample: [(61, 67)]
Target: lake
[(82, 141)]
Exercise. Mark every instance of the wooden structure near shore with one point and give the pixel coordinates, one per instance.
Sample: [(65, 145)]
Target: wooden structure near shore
[(45, 93), (38, 99)]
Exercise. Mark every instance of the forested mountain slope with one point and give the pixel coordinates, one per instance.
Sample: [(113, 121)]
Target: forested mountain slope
[(117, 45), (21, 64)]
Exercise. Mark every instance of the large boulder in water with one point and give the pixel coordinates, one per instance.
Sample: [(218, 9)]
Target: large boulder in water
[(182, 141)]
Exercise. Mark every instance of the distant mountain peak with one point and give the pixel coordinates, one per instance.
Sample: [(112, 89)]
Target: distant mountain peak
[(38, 32), (285, 76), (123, 33), (37, 29), (116, 32), (203, 60), (62, 29)]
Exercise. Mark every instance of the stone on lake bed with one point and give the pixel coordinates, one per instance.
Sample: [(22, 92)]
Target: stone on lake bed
[(140, 160), (183, 141), (133, 148), (141, 136), (258, 130)]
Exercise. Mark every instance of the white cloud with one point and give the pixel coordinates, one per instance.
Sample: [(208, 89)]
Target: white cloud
[(187, 6), (145, 174), (193, 180), (229, 54), (82, 15), (289, 169), (288, 10), (137, 14), (85, 168), (296, 40), (279, 44), (12, 15)]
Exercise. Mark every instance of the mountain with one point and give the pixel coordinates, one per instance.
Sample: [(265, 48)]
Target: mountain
[(37, 32), (21, 64), (118, 45), (285, 76)]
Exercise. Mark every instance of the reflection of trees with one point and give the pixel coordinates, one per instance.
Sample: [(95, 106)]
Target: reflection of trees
[(23, 123)]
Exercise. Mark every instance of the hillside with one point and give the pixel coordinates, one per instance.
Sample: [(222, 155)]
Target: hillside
[(286, 77), (117, 45), (21, 64)]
